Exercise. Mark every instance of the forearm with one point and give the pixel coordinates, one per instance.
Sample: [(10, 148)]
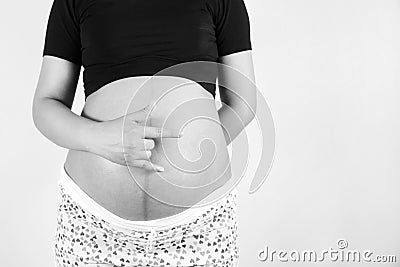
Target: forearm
[(233, 121), (61, 126)]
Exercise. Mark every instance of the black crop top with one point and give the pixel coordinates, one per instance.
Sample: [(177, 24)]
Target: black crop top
[(115, 39)]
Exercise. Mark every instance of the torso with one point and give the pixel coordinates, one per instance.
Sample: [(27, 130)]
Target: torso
[(112, 185), (138, 38)]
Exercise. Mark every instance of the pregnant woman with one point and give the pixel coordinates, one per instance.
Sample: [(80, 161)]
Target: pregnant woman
[(125, 199)]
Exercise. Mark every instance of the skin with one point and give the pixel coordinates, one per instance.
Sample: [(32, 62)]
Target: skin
[(96, 157)]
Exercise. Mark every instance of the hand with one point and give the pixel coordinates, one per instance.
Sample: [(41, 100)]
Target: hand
[(138, 142)]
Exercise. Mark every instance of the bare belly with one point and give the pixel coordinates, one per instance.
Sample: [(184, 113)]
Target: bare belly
[(196, 165)]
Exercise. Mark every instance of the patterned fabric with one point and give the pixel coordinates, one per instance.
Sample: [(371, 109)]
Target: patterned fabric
[(83, 239)]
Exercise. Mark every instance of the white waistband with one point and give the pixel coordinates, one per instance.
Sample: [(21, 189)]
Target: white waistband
[(88, 203)]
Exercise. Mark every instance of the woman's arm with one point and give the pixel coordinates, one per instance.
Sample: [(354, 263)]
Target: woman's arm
[(52, 102), (239, 98), (52, 115)]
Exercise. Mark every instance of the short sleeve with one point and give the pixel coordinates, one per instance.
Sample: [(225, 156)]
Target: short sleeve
[(62, 34), (232, 27)]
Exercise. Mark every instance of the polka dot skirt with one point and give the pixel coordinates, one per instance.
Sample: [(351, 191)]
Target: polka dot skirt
[(209, 239)]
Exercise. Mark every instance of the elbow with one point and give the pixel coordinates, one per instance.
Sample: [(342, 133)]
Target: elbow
[(250, 111), (250, 115), (247, 113), (253, 111), (245, 107), (36, 112)]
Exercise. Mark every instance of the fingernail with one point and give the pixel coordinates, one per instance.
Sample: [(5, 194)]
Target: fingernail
[(160, 169)]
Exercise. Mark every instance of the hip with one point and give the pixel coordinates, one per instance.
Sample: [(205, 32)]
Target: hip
[(89, 234)]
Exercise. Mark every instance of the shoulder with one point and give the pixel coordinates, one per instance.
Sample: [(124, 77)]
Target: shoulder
[(221, 6), (75, 7)]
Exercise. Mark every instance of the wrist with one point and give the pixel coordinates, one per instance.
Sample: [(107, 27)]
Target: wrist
[(88, 134)]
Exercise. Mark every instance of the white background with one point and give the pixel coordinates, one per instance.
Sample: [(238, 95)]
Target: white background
[(330, 71)]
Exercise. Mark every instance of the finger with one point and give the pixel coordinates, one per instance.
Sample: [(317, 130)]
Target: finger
[(142, 144), (138, 155), (145, 164), (157, 132), (148, 144)]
